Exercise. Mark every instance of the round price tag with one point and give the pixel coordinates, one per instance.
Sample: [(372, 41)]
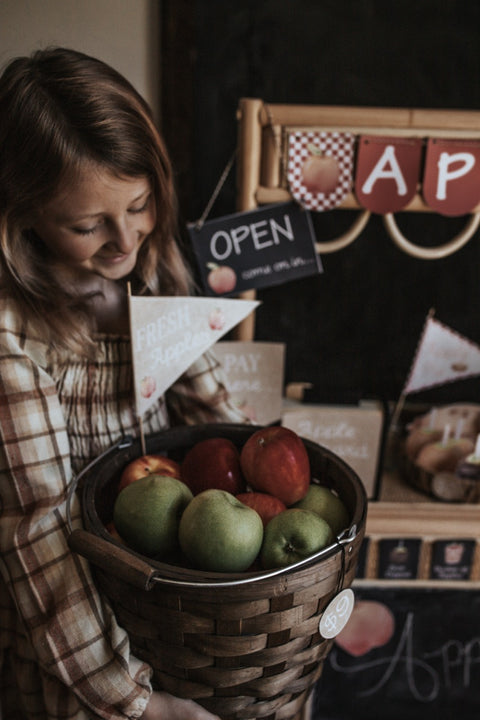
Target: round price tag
[(336, 614)]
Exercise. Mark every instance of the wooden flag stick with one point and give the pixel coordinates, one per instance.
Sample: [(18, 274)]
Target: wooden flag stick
[(142, 436), (397, 411), (403, 395), (139, 419)]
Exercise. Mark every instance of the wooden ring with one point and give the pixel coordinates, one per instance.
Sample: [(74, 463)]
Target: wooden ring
[(348, 237), (432, 253)]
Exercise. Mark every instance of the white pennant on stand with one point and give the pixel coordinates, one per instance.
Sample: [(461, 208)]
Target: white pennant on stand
[(169, 333), (442, 356)]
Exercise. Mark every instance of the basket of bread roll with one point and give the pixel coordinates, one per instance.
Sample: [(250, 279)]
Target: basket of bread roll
[(442, 453)]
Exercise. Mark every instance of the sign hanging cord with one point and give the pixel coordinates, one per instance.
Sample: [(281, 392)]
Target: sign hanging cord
[(200, 222)]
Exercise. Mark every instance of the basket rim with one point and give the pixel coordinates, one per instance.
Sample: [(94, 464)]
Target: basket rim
[(173, 575)]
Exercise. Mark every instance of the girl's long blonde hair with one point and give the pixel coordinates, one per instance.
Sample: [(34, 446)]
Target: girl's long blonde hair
[(60, 109)]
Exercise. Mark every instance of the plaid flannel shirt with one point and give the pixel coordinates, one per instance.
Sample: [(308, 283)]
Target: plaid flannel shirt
[(62, 654)]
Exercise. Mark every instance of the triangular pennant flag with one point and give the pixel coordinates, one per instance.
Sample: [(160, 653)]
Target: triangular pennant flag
[(442, 356), (169, 333)]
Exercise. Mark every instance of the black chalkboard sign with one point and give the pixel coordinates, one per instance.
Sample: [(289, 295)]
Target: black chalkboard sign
[(430, 668), (268, 246)]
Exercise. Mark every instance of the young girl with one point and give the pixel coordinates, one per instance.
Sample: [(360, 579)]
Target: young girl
[(86, 205)]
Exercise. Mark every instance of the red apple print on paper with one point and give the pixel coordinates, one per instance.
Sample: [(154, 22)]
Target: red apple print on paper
[(221, 278), (216, 319), (320, 173), (147, 386)]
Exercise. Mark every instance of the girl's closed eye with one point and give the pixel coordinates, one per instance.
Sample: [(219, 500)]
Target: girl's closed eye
[(86, 231), (142, 208)]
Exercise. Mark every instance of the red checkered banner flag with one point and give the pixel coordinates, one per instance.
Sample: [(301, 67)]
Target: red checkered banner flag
[(442, 356), (320, 167)]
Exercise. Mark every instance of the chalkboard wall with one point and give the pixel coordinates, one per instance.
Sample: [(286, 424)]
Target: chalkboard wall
[(430, 668), (353, 330)]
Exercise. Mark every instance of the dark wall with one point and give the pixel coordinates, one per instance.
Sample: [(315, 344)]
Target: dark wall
[(353, 329)]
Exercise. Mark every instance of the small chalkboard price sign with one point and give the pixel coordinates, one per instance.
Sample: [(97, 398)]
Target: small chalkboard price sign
[(428, 668), (260, 248)]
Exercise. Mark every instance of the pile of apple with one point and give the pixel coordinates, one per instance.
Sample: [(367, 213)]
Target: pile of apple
[(225, 509)]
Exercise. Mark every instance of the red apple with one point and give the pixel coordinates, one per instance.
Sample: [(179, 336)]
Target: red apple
[(274, 460), (213, 463), (320, 173), (221, 278), (113, 532), (267, 506), (149, 465)]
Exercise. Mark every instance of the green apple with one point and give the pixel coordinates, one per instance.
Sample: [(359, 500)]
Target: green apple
[(324, 502), (219, 533), (293, 535), (147, 513)]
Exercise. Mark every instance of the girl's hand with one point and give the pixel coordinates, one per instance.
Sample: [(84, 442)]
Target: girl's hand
[(163, 706)]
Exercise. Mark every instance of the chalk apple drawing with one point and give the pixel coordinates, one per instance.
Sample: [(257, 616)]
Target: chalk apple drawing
[(221, 278), (320, 173), (216, 319), (371, 625), (147, 386)]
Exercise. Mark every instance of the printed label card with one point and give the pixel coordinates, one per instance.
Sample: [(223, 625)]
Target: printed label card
[(254, 377), (260, 248), (398, 559), (452, 559), (354, 433)]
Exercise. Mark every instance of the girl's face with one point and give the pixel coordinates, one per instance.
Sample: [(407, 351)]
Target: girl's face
[(98, 223)]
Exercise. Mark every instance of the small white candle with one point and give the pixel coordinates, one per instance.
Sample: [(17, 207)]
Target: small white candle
[(459, 428), (477, 448), (446, 434)]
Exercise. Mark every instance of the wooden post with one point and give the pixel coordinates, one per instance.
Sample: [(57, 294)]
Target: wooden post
[(248, 179)]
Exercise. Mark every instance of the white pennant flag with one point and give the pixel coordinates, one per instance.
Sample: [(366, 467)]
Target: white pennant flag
[(169, 333), (442, 356)]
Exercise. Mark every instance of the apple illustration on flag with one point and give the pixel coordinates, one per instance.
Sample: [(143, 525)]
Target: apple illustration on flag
[(216, 319), (320, 173), (147, 386)]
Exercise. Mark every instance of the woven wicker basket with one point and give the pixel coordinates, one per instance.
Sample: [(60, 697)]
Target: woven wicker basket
[(245, 646)]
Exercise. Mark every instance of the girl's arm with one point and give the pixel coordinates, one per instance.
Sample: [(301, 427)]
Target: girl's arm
[(72, 629)]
